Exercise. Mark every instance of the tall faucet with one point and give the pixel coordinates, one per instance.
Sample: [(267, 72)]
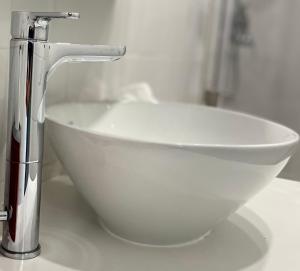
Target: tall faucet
[(32, 60)]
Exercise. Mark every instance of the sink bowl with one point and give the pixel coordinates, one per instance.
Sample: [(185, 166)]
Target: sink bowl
[(166, 174)]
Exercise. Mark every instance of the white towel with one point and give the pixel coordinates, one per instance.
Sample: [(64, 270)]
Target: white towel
[(141, 92)]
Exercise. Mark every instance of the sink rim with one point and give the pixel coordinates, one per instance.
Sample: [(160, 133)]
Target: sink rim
[(293, 136)]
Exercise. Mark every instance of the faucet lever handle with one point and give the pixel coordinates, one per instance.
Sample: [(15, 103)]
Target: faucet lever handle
[(55, 15), (35, 25)]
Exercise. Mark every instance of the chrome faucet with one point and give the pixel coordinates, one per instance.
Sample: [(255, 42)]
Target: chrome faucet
[(32, 60)]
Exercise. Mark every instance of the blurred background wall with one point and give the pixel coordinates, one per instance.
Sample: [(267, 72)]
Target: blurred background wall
[(269, 71), (166, 42)]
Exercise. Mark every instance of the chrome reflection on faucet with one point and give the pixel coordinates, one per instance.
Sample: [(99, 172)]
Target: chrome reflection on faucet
[(32, 60)]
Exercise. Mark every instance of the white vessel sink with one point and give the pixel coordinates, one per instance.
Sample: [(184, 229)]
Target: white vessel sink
[(165, 174)]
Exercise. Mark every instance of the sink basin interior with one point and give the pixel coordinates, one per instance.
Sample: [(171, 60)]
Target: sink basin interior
[(173, 124)]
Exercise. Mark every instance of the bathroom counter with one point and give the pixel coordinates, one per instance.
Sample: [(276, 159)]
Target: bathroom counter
[(263, 235)]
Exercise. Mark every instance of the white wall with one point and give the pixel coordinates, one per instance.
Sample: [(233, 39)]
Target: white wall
[(163, 37), (163, 48)]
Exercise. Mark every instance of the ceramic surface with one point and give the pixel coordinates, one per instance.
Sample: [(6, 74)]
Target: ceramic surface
[(165, 174), (261, 236)]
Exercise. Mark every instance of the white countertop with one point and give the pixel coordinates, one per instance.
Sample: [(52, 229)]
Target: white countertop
[(263, 235)]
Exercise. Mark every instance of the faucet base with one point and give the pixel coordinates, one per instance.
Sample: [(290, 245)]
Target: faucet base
[(20, 256)]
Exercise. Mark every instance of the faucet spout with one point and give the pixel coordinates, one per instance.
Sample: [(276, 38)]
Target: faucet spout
[(66, 52)]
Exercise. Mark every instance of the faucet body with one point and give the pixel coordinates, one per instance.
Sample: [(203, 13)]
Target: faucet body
[(32, 60)]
